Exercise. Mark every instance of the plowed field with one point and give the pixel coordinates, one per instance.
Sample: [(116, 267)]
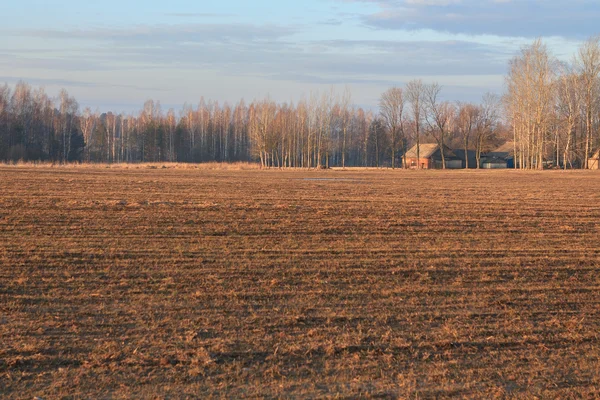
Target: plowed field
[(190, 283)]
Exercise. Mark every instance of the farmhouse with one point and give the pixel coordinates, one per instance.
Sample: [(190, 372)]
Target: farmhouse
[(502, 157), (430, 157)]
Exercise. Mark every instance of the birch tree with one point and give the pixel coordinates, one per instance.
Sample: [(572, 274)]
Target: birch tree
[(345, 122), (588, 65), (87, 125)]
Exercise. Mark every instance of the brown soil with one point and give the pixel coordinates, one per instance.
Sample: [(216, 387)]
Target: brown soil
[(175, 283)]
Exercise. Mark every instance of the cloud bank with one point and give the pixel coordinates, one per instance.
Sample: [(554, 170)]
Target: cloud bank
[(575, 19)]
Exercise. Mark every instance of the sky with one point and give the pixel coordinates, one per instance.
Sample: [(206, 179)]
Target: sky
[(115, 55)]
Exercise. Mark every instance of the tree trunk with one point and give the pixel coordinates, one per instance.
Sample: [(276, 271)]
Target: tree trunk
[(466, 153)]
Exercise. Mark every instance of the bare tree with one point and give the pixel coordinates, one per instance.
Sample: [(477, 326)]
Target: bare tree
[(530, 96), (262, 116), (22, 107), (325, 110), (87, 125), (4, 118), (110, 126), (190, 118), (68, 110), (588, 65), (345, 122), (486, 123), (568, 108), (391, 108), (415, 94), (466, 118), (239, 129), (171, 126), (438, 115)]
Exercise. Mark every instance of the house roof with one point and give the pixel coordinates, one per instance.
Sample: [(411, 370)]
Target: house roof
[(507, 149), (426, 150)]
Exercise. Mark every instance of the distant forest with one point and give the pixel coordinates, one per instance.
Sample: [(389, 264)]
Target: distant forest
[(326, 130), (551, 110)]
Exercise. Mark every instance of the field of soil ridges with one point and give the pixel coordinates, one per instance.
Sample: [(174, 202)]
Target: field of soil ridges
[(193, 283)]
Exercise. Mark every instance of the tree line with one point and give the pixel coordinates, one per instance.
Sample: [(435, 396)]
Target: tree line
[(551, 111), (323, 131)]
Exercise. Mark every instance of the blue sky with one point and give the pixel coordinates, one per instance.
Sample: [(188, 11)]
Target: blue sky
[(117, 54)]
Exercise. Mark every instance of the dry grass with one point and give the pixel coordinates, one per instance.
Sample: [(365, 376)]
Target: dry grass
[(208, 283), (235, 166)]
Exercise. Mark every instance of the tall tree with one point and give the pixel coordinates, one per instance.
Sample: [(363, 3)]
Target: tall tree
[(438, 115), (391, 108), (530, 93), (588, 65), (486, 123), (466, 117), (415, 94), (87, 125), (68, 110), (345, 122), (568, 106)]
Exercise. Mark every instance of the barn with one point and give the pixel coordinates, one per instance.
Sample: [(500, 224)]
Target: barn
[(494, 163), (467, 158), (430, 157), (505, 153), (594, 162)]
